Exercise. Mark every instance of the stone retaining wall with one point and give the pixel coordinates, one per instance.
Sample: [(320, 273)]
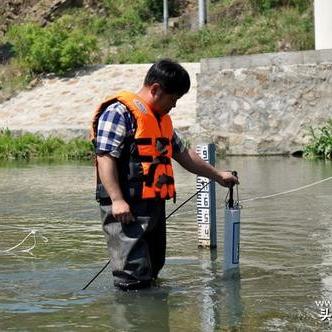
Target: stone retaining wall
[(264, 104), (64, 106)]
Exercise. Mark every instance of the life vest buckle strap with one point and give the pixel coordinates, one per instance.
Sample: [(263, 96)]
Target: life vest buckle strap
[(163, 140), (142, 159), (161, 145), (152, 169), (164, 179), (137, 179), (143, 141), (162, 160)]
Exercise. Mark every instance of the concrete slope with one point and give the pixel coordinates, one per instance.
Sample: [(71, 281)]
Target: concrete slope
[(64, 106)]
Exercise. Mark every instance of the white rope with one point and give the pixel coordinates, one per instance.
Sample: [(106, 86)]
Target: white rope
[(32, 232), (267, 196), (286, 192)]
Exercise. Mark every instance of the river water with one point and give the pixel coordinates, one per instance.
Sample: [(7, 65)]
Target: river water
[(286, 255)]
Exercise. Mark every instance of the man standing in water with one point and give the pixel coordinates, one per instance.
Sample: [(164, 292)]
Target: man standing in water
[(135, 143)]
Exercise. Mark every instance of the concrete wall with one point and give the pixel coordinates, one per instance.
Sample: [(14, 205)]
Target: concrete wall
[(263, 104)]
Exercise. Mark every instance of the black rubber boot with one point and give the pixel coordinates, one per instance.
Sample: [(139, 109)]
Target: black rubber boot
[(127, 285)]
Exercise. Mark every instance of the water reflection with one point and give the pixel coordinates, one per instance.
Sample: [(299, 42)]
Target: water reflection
[(221, 298), (147, 310)]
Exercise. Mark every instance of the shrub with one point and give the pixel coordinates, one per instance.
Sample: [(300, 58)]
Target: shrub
[(320, 145), (53, 49), (125, 27)]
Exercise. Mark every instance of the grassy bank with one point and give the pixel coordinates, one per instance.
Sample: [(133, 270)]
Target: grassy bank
[(32, 146), (320, 145), (235, 28), (130, 32)]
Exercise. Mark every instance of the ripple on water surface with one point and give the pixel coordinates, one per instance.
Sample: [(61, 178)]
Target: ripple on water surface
[(285, 255)]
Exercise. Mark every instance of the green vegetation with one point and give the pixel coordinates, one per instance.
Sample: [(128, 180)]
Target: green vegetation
[(129, 33), (283, 29), (264, 5), (54, 49), (320, 145), (31, 146), (236, 27)]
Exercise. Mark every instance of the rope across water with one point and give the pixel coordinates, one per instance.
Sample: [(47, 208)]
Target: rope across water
[(269, 196), (286, 192)]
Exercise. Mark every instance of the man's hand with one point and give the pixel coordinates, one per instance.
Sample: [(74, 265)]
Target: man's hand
[(226, 179), (192, 162), (108, 172), (121, 211)]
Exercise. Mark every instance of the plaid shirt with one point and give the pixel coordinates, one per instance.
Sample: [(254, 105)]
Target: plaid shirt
[(116, 123)]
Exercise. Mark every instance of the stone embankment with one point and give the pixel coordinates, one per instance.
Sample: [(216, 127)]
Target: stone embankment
[(64, 106), (264, 103)]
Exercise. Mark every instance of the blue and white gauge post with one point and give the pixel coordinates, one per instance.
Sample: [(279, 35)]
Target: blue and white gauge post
[(206, 201), (232, 232)]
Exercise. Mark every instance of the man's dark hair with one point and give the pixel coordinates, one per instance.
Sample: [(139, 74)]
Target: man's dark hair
[(171, 76)]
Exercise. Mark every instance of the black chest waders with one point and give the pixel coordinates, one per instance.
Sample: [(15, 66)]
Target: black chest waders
[(109, 261)]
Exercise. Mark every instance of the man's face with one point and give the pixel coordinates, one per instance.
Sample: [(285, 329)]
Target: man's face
[(163, 102)]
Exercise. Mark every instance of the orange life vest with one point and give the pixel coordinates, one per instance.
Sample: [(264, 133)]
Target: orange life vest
[(145, 170)]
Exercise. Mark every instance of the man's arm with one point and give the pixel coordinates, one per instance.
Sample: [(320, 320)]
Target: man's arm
[(109, 176), (193, 163)]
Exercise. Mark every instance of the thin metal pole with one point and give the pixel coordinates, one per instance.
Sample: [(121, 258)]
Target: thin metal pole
[(165, 16), (202, 13)]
